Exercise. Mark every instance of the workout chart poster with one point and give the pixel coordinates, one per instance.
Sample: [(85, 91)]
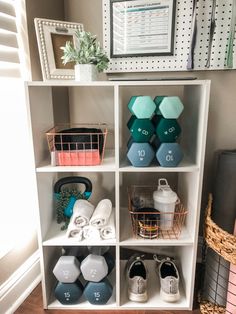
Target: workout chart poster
[(142, 27)]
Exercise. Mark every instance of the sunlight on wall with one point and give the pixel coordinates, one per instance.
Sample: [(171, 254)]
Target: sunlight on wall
[(17, 210)]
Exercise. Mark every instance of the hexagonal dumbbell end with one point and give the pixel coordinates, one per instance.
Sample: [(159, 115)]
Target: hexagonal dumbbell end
[(110, 261), (141, 130), (170, 107), (168, 130), (94, 268), (169, 154), (98, 293), (142, 107), (140, 154), (68, 293), (67, 269)]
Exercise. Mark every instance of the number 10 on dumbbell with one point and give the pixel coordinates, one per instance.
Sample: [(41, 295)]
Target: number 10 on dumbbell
[(140, 154)]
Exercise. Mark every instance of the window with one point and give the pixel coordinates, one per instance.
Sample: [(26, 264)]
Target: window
[(17, 223), (9, 48)]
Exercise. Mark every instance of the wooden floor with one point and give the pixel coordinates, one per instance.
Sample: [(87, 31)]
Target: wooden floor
[(33, 305)]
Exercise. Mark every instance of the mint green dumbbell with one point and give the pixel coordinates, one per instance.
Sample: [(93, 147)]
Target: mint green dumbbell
[(142, 107), (170, 107)]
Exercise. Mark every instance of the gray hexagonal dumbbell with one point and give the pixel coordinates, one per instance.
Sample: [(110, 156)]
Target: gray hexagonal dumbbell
[(170, 107), (169, 154), (94, 268), (98, 292), (140, 154), (67, 269), (142, 107)]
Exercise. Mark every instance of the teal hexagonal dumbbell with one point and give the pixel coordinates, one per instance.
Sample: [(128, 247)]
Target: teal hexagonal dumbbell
[(141, 130), (170, 107), (168, 130), (142, 107), (140, 154), (169, 154)]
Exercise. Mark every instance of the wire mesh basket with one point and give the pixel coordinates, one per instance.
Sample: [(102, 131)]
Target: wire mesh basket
[(218, 293), (77, 144), (149, 223)]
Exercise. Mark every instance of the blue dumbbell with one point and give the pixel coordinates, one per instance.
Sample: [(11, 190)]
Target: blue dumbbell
[(169, 154), (98, 293), (69, 293), (140, 154)]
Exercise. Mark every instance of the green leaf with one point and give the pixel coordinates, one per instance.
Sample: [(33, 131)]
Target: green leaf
[(86, 50)]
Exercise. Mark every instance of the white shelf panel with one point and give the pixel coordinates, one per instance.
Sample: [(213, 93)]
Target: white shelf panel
[(70, 83), (108, 165), (154, 299), (84, 304), (184, 166), (127, 237), (57, 237), (114, 82)]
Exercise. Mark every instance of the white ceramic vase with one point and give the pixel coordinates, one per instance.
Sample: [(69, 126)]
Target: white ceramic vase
[(85, 72)]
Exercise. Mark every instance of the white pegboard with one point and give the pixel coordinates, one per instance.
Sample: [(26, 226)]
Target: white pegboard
[(183, 21)]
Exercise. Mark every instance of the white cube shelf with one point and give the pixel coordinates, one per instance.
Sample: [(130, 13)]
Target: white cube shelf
[(55, 102)]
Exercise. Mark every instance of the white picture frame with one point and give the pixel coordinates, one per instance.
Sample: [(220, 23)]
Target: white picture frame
[(51, 36)]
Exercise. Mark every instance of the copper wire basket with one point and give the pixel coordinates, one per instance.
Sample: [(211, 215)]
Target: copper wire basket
[(77, 144), (147, 222)]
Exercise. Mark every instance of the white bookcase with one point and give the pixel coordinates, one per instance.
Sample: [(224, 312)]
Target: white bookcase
[(106, 101)]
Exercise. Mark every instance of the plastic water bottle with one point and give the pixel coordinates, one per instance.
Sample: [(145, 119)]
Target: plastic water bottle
[(164, 201)]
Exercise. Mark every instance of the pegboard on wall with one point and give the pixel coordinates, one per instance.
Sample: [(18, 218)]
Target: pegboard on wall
[(182, 40)]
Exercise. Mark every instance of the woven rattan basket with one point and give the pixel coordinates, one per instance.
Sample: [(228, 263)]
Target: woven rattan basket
[(224, 244)]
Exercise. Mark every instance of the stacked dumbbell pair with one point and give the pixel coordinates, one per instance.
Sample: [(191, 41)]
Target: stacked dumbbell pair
[(167, 129), (140, 151), (94, 269), (157, 117)]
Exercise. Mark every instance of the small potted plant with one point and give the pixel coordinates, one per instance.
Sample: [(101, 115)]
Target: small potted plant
[(88, 56)]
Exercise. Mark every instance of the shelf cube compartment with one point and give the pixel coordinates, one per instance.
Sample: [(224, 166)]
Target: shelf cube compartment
[(149, 223)]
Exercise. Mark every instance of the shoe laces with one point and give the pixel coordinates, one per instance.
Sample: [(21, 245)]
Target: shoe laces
[(162, 258)]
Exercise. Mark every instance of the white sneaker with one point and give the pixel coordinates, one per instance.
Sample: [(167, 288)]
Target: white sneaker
[(169, 280), (136, 272)]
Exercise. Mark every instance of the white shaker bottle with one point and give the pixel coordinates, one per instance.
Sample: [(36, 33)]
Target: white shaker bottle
[(165, 200)]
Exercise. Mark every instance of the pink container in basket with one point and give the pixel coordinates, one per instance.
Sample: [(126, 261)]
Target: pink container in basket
[(77, 145), (78, 158)]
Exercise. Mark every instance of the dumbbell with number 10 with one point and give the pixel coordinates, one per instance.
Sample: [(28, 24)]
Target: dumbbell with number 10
[(140, 154)]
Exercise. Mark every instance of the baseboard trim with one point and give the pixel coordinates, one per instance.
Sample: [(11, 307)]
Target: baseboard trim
[(20, 284)]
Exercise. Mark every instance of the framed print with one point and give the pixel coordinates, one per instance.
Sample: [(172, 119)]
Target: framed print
[(142, 27), (51, 36)]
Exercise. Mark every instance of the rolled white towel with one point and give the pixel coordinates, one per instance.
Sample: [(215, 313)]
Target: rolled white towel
[(91, 233), (109, 232), (82, 212), (74, 232), (101, 213)]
